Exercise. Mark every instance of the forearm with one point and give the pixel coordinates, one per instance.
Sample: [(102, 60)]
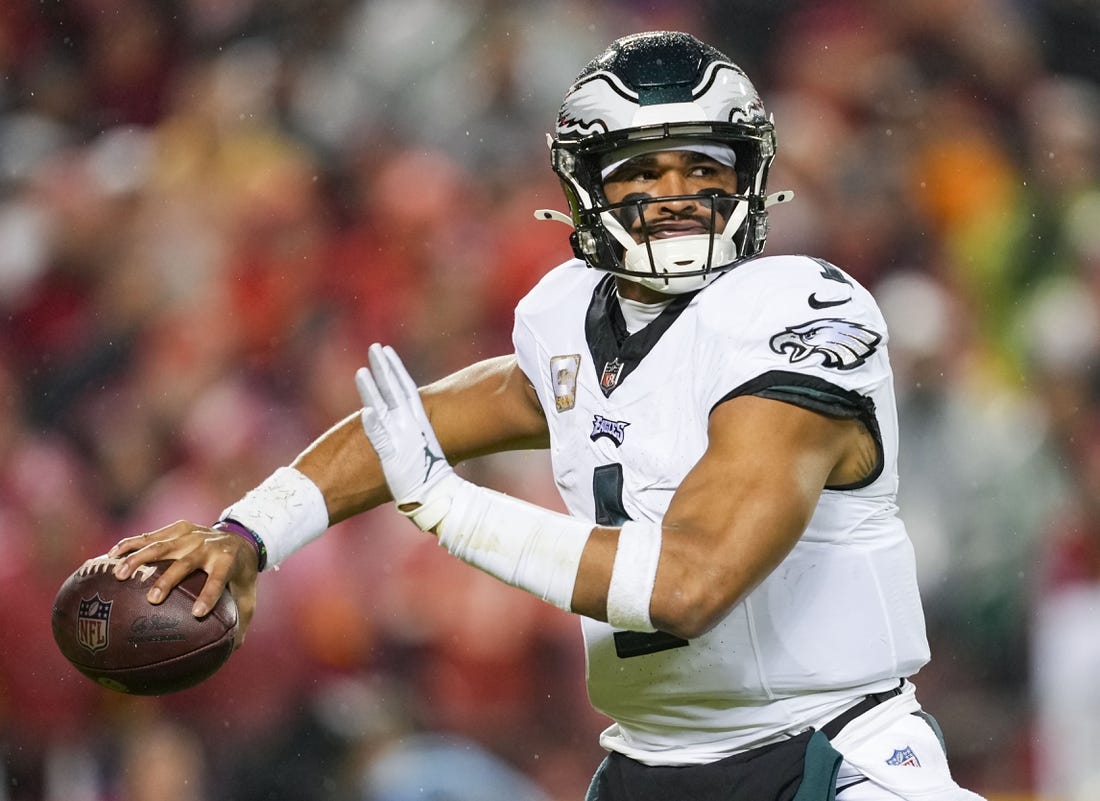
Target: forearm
[(344, 467)]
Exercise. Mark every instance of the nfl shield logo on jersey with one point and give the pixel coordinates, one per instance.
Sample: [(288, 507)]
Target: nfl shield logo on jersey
[(92, 618), (610, 377), (904, 757)]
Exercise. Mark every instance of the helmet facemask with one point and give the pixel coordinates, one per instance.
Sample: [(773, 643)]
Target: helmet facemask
[(695, 256)]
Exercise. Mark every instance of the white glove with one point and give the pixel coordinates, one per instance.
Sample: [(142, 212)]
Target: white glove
[(420, 479)]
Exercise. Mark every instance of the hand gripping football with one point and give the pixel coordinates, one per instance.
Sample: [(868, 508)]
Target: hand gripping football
[(109, 631)]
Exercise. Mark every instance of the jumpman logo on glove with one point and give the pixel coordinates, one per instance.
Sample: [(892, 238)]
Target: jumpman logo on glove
[(430, 458)]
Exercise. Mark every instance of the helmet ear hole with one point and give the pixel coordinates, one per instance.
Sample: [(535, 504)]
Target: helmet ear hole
[(654, 91)]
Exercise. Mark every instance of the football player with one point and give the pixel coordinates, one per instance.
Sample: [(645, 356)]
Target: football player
[(722, 429)]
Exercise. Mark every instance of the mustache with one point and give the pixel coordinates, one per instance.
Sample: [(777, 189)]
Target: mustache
[(712, 205)]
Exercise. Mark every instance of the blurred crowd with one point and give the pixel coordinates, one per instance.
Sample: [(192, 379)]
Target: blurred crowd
[(210, 208)]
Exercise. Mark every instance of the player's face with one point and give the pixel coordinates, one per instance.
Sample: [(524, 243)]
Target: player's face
[(651, 184)]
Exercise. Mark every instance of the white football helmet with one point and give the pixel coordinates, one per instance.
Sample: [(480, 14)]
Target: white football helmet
[(662, 91)]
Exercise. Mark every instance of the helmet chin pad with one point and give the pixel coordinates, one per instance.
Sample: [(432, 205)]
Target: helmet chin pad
[(678, 264), (661, 264)]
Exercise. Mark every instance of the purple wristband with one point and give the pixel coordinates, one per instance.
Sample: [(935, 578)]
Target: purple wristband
[(233, 527)]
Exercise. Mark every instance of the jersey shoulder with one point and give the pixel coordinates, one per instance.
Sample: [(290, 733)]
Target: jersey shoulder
[(787, 291), (796, 313), (569, 281)]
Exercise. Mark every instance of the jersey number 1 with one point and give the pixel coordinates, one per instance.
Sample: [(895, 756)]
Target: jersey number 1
[(607, 494)]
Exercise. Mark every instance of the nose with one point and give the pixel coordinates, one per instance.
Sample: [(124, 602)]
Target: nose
[(670, 185)]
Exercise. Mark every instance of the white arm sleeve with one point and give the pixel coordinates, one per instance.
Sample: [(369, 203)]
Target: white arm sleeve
[(540, 551), (519, 543), (634, 576)]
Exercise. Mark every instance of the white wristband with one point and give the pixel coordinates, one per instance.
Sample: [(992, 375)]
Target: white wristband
[(524, 545), (287, 511), (633, 576)]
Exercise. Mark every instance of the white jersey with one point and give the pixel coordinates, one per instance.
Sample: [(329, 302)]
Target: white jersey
[(627, 415)]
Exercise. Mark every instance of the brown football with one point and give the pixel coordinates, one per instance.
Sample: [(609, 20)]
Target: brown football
[(109, 631)]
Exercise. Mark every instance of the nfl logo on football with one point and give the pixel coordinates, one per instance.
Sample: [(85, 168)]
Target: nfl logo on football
[(91, 623)]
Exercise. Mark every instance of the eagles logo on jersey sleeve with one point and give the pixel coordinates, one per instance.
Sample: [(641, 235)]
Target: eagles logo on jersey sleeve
[(837, 343), (803, 315)]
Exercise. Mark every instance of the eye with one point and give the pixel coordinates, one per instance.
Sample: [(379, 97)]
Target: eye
[(628, 174)]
